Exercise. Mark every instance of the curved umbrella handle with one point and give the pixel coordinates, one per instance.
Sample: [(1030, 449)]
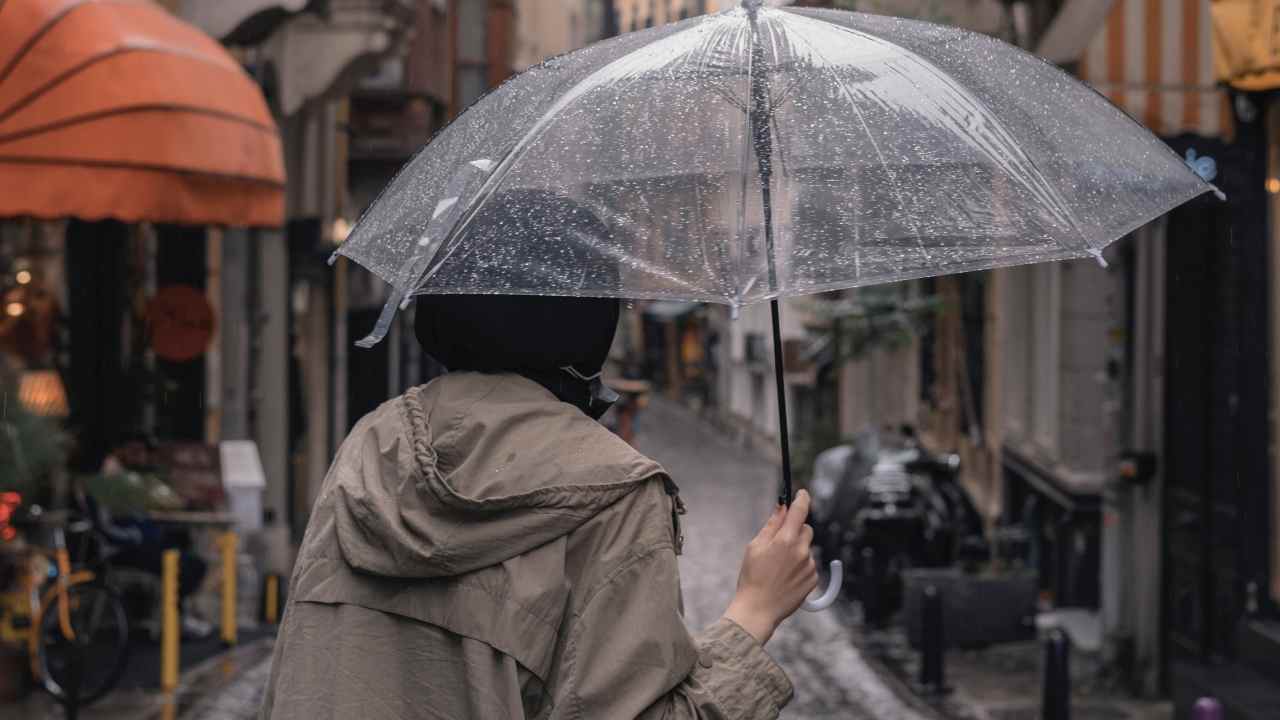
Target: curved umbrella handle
[(828, 596)]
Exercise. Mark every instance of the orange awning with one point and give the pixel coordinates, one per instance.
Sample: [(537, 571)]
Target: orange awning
[(117, 109), (1155, 59)]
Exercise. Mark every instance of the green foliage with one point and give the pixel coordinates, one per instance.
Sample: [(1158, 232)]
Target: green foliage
[(131, 493), (877, 318), (806, 447), (31, 447)]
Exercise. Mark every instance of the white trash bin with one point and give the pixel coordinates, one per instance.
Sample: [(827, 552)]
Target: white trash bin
[(244, 482)]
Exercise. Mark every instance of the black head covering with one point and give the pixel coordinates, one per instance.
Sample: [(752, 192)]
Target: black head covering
[(560, 342)]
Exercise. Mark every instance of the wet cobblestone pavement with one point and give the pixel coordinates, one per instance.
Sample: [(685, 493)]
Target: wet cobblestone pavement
[(729, 492), (226, 687)]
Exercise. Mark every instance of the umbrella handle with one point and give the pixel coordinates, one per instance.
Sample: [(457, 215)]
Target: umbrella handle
[(828, 596)]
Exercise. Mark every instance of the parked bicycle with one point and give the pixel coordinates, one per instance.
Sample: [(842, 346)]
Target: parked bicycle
[(75, 623)]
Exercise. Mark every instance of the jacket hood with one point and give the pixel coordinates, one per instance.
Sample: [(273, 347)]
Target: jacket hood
[(472, 470)]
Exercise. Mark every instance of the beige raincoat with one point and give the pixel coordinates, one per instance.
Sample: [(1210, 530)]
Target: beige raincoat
[(482, 550)]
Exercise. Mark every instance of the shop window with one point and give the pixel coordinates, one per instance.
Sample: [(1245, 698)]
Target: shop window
[(757, 396), (754, 351)]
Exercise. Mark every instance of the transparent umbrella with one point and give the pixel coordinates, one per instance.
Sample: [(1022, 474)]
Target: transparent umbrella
[(768, 152)]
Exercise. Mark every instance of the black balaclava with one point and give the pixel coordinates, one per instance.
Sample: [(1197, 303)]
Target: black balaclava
[(559, 342)]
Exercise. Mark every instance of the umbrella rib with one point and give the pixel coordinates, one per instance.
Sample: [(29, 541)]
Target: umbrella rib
[(1054, 198), (517, 151), (728, 97), (158, 107), (784, 95), (844, 91), (1037, 184)]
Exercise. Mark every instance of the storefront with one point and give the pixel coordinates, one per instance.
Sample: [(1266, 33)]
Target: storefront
[(119, 202), (1187, 520)]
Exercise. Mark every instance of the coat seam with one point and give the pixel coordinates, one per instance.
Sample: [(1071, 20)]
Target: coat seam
[(424, 455), (472, 583), (423, 621), (571, 645)]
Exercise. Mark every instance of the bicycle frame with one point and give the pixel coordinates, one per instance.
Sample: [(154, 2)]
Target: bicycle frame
[(65, 579)]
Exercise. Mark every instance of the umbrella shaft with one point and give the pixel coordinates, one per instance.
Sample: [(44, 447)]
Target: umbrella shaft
[(779, 369), (762, 142), (779, 372)]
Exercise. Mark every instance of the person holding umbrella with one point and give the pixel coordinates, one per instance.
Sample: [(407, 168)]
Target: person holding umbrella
[(484, 548)]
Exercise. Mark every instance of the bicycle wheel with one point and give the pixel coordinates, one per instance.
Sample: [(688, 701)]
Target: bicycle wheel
[(101, 643)]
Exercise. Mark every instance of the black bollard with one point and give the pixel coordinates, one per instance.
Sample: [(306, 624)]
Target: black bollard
[(71, 693), (933, 643), (870, 587), (1207, 708), (1056, 683)]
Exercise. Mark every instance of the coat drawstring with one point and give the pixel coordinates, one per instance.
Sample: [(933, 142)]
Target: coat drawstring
[(677, 509)]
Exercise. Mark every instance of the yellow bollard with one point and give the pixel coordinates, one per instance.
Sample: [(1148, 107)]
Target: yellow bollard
[(228, 543), (273, 598), (169, 630)]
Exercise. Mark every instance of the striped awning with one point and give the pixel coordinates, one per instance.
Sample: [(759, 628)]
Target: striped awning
[(1155, 59)]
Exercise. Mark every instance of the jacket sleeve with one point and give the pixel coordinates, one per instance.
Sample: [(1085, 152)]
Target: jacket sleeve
[(632, 656)]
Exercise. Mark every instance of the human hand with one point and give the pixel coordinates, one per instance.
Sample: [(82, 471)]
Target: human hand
[(777, 573)]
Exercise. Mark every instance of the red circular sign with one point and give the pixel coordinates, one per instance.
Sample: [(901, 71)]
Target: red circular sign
[(181, 323)]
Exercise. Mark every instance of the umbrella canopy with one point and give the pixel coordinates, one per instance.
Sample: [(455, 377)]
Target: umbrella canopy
[(119, 110), (760, 153), (892, 149)]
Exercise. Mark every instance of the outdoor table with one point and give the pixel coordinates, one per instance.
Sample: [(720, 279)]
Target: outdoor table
[(206, 529), (190, 518)]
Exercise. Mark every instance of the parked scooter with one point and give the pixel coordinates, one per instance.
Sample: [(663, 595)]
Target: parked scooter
[(884, 504)]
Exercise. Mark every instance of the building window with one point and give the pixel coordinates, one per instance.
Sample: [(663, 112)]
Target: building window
[(757, 397), (472, 66), (754, 349)]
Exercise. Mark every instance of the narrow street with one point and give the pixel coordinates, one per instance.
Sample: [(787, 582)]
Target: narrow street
[(729, 492)]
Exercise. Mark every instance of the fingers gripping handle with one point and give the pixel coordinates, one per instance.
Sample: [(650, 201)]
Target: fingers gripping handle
[(828, 596)]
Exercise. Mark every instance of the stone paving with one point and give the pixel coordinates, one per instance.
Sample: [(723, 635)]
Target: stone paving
[(837, 669), (226, 687), (729, 492)]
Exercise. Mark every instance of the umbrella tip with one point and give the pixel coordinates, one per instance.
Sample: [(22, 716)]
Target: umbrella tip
[(752, 5), (1097, 255)]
